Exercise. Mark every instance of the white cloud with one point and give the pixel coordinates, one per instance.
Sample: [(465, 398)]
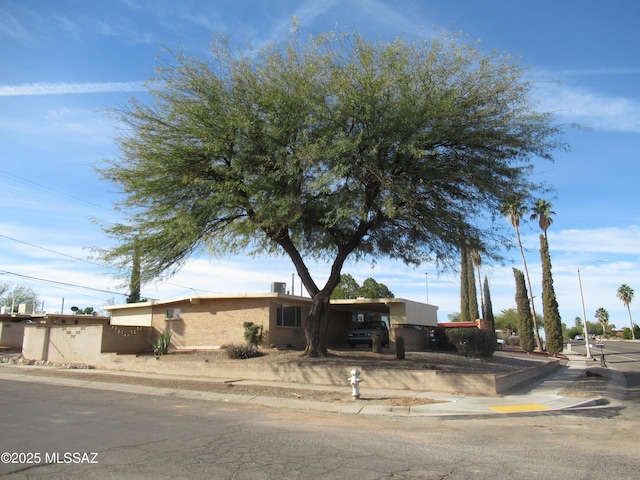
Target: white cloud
[(70, 88), (589, 108)]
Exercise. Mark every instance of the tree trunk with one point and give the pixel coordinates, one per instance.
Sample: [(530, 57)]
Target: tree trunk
[(316, 326)]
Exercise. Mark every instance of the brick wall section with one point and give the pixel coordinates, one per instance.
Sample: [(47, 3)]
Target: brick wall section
[(211, 323)]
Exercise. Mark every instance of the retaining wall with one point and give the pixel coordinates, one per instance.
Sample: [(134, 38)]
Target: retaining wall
[(418, 380)]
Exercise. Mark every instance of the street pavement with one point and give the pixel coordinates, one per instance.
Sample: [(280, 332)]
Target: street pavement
[(540, 396)]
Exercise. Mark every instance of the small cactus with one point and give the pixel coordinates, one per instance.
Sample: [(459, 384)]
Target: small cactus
[(400, 347), (376, 344)]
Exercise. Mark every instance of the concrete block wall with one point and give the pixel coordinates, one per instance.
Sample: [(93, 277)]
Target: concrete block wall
[(63, 343), (81, 343), (11, 334)]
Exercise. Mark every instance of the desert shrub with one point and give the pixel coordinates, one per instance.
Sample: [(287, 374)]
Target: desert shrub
[(235, 351), (627, 334), (472, 341), (636, 332), (161, 345), (513, 341), (252, 333), (442, 341), (400, 353)]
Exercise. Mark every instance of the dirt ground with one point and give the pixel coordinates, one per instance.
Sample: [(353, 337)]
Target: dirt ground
[(593, 383)]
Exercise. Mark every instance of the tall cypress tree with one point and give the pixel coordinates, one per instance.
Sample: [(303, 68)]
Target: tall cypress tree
[(552, 320), (464, 290), (525, 319), (488, 307), (474, 314)]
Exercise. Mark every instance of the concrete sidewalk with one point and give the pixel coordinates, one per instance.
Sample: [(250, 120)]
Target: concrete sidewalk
[(541, 396)]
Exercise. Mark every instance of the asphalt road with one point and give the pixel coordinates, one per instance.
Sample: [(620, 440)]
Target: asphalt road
[(134, 436), (623, 356)]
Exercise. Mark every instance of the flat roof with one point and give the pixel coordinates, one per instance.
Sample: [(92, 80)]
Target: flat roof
[(371, 302)]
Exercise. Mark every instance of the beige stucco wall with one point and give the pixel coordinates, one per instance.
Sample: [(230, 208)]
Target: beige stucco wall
[(11, 334), (134, 317), (81, 343), (62, 343), (123, 339), (413, 313)]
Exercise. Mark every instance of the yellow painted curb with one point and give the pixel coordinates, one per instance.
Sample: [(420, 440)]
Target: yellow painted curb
[(532, 407)]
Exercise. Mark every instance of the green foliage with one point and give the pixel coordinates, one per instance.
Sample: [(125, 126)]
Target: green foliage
[(442, 341), (372, 289), (400, 352), (324, 147), (240, 352), (253, 333), (508, 320), (468, 295), (85, 311), (627, 334), (161, 345), (636, 332), (488, 306), (573, 331), (472, 341), (525, 323), (552, 321), (349, 288), (134, 281)]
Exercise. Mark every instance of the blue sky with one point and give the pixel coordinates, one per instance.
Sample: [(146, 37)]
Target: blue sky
[(65, 62)]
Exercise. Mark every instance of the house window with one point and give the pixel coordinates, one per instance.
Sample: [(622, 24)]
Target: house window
[(289, 316), (173, 313)]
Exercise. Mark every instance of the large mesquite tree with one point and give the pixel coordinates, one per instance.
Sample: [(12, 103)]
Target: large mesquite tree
[(324, 148)]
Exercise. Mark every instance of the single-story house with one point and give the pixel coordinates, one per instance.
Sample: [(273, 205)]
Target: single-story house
[(212, 321)]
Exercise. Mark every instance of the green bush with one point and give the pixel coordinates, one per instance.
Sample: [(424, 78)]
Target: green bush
[(627, 334), (513, 341), (472, 341), (636, 332), (161, 346), (235, 351), (252, 333), (442, 341)]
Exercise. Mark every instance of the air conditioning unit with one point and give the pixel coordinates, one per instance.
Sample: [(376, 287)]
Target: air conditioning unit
[(279, 287), (25, 308)]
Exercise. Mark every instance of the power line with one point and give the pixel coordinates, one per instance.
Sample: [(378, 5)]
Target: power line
[(58, 253), (4, 272)]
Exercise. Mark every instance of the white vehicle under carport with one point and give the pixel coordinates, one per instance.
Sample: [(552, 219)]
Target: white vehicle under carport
[(364, 332)]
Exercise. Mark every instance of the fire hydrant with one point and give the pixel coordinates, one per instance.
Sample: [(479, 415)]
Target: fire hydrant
[(355, 380)]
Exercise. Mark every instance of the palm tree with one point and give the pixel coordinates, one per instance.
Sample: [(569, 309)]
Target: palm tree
[(514, 210), (542, 212), (625, 293), (603, 317)]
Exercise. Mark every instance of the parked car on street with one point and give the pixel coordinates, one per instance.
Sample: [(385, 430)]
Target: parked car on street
[(364, 332)]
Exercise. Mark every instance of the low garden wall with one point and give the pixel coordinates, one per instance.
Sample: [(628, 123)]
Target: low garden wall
[(394, 379)]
